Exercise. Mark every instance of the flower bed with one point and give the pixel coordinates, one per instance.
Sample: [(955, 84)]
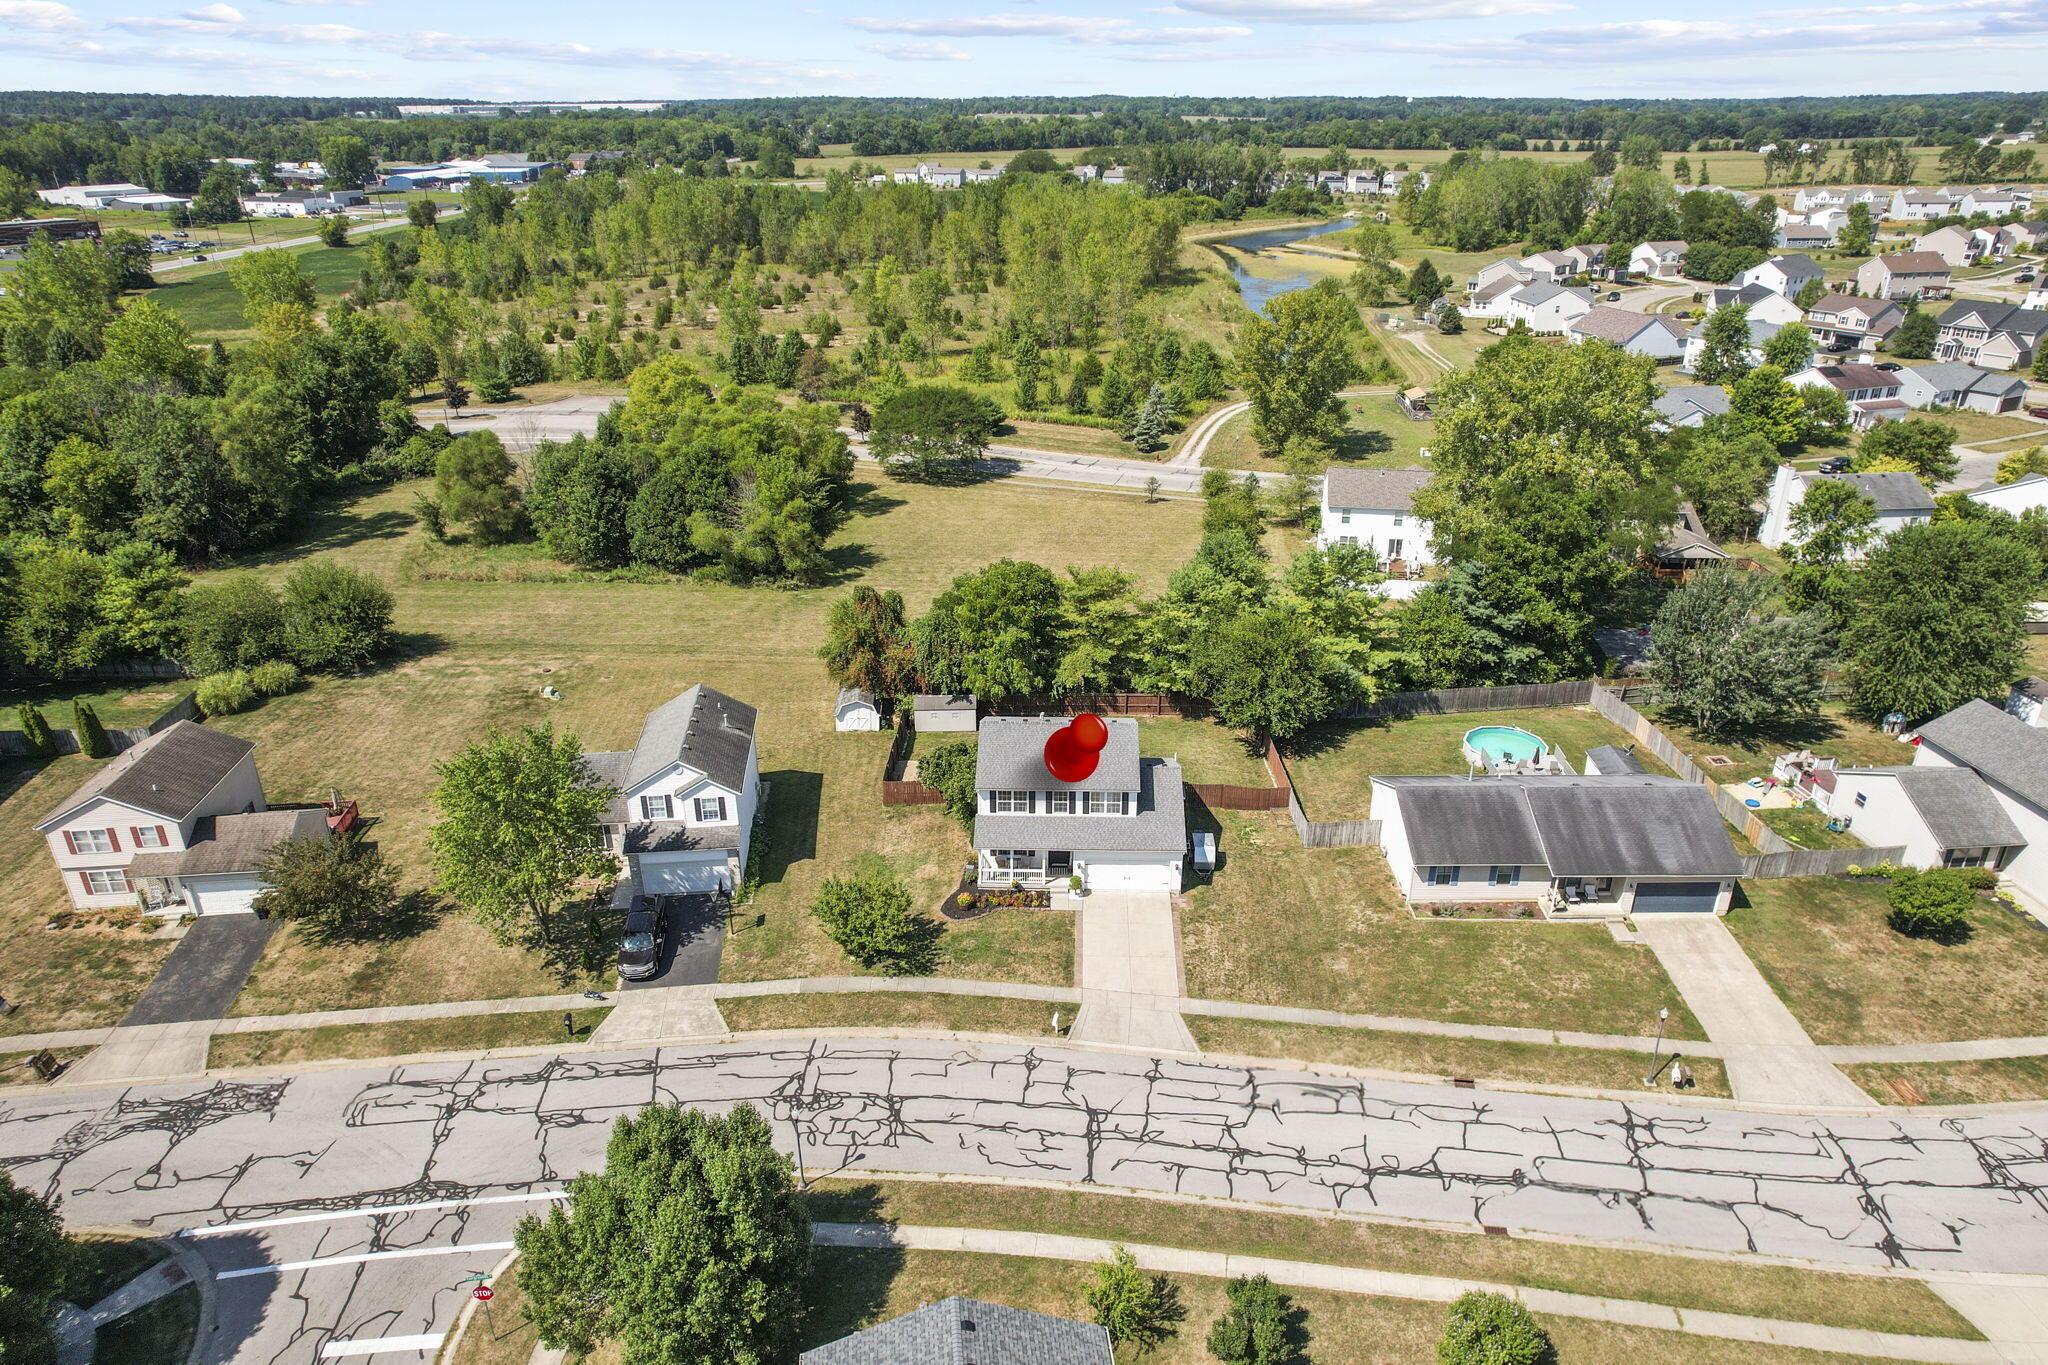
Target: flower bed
[(972, 902), (1480, 910)]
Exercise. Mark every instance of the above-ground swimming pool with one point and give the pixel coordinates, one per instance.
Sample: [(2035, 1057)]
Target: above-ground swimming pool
[(1491, 745)]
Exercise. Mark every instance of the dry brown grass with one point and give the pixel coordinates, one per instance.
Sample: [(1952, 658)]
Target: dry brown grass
[(897, 1009)]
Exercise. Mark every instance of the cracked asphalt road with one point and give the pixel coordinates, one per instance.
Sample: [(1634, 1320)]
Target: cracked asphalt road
[(311, 1157)]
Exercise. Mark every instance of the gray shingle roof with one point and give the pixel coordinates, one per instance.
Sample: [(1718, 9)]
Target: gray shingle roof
[(1381, 489), (168, 774), (1958, 809), (1681, 400), (1617, 325), (1010, 756), (969, 1332), (1915, 263), (1160, 826), (1612, 758), (1998, 317), (933, 701), (1894, 490), (673, 836), (231, 843), (1957, 376), (856, 695), (703, 728), (1623, 826), (1535, 295), (2001, 747)]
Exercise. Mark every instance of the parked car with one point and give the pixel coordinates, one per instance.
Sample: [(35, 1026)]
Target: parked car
[(640, 944), (2024, 277), (2039, 410), (1838, 464), (1889, 366), (200, 257), (1614, 296)]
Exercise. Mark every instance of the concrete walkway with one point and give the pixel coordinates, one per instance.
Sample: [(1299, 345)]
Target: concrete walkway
[(1129, 970), (78, 1329), (1432, 1288), (1769, 1057), (2011, 1312)]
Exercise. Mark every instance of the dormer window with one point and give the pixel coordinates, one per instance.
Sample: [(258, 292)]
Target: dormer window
[(656, 808)]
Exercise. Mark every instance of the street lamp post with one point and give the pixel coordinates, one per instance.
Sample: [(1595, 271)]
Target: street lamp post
[(1662, 1015)]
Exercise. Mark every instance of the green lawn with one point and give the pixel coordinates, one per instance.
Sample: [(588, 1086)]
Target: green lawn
[(1377, 435), (208, 302), (406, 1037), (901, 1009), (117, 704), (1998, 1080), (1333, 764), (1835, 734), (1825, 948), (1284, 925), (1208, 751), (1806, 827), (1428, 1055)]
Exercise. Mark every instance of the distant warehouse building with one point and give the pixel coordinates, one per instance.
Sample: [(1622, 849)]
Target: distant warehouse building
[(90, 196), (503, 170), (300, 203)]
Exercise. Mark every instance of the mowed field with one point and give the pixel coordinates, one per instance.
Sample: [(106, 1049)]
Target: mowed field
[(474, 657), (207, 300)]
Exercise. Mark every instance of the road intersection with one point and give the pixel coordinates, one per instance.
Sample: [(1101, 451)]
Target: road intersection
[(346, 1204)]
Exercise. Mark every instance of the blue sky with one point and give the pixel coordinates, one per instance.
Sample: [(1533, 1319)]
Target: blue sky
[(468, 48)]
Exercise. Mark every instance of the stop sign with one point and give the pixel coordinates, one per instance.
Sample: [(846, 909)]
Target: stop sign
[(483, 1293)]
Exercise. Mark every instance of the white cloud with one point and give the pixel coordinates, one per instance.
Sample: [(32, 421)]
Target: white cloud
[(41, 16), (1367, 11), (1073, 28), (919, 52), (219, 14)]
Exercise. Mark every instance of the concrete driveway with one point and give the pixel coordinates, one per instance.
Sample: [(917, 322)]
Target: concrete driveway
[(1130, 971)]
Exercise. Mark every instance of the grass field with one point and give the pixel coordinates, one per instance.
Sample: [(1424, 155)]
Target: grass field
[(1428, 1055), (117, 704), (1825, 948), (901, 1009), (208, 302), (1999, 1080), (1284, 925), (1333, 764), (466, 1033), (1870, 1302), (1377, 435)]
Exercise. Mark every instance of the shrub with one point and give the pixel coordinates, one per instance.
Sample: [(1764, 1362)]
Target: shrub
[(92, 736), (1131, 1305), (35, 731), (949, 770), (1931, 905), (1492, 1329), (223, 694), (335, 618), (275, 678), (234, 623), (1254, 1330), (870, 917)]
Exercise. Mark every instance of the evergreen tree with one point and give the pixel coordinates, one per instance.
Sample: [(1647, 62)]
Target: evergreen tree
[(1149, 428), (92, 736)]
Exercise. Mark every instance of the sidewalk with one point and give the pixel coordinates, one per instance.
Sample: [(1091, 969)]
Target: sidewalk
[(1775, 1062), (1433, 1288), (1129, 972)]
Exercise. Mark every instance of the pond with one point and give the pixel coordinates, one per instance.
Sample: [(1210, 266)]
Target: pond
[(1257, 291)]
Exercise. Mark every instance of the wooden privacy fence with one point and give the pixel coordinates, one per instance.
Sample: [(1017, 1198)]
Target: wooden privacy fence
[(65, 741), (1445, 701), (896, 791), (1134, 704), (1817, 862)]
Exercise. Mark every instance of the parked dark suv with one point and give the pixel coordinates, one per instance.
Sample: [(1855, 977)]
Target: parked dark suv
[(640, 944), (1837, 465)]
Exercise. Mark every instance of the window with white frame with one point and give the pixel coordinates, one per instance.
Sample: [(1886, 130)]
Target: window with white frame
[(107, 881), (1062, 803), (1344, 517), (1862, 798), (1443, 876), (1505, 876), (710, 810), (148, 836), (1104, 803), (1010, 803), (656, 808), (93, 840)]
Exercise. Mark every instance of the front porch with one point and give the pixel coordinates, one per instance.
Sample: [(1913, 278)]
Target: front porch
[(995, 868), (1584, 898)]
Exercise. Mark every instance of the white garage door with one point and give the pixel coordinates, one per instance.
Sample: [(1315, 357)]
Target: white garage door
[(1131, 876), (224, 895), (685, 872)]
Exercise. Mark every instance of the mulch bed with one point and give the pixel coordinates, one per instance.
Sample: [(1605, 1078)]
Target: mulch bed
[(968, 901)]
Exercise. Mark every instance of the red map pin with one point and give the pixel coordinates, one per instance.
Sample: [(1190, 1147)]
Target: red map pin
[(1073, 750)]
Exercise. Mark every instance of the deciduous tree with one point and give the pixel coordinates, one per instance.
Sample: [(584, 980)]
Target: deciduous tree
[(1293, 362), (1725, 657), (1939, 616)]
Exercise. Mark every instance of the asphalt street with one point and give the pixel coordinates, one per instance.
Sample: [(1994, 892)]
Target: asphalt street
[(282, 1180)]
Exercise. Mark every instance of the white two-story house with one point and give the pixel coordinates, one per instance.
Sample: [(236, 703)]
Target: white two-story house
[(1851, 322), (1123, 827), (687, 795), (1374, 509), (1658, 260), (177, 823), (1786, 274)]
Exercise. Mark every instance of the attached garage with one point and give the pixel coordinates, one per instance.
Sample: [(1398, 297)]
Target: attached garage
[(1124, 872), (1696, 898), (227, 894), (683, 873)]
